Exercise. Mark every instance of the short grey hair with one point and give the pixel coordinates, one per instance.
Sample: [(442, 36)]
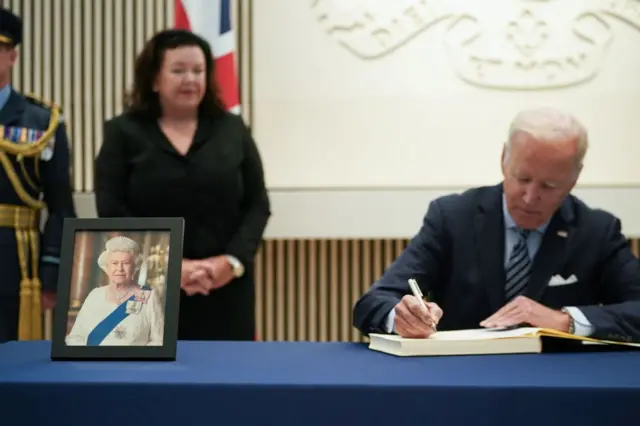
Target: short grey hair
[(549, 125), (121, 245)]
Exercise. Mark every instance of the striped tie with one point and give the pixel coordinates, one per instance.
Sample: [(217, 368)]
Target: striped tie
[(518, 267)]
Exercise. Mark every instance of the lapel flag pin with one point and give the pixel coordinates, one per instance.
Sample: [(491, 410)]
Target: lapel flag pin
[(562, 234)]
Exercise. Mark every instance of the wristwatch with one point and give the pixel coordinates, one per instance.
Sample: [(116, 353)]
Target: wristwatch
[(238, 267), (572, 324)]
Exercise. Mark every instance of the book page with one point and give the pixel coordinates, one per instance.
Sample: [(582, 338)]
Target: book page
[(485, 334)]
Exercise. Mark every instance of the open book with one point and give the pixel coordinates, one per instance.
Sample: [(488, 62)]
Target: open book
[(476, 342)]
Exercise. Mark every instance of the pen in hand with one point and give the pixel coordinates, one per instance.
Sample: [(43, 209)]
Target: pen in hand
[(415, 289)]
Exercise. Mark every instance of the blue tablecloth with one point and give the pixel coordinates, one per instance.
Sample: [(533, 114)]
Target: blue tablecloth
[(271, 383)]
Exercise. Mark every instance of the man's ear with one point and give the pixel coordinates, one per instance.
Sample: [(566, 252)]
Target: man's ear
[(578, 171), (503, 159), (13, 56)]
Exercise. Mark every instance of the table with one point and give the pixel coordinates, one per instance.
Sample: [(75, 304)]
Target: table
[(304, 383)]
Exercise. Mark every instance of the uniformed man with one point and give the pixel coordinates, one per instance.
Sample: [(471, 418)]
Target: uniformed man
[(34, 175)]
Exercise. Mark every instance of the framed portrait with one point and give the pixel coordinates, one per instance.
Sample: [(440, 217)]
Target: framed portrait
[(118, 289)]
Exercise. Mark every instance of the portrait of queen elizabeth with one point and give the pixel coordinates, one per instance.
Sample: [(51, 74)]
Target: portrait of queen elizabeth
[(121, 313)]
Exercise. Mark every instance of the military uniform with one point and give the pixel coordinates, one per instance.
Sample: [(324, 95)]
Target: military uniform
[(34, 175)]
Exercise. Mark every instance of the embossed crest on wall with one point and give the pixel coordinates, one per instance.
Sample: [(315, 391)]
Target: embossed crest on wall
[(499, 44)]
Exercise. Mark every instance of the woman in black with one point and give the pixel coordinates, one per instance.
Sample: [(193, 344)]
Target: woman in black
[(176, 152)]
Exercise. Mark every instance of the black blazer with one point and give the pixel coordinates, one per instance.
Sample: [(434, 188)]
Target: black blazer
[(458, 258), (217, 187)]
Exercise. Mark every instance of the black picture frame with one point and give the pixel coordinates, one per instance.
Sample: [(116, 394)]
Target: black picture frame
[(60, 351)]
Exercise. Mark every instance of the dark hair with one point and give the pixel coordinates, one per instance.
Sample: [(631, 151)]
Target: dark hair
[(142, 100)]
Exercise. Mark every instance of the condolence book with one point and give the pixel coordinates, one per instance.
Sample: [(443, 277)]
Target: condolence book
[(479, 342)]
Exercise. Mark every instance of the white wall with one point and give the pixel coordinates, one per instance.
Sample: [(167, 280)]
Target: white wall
[(336, 105)]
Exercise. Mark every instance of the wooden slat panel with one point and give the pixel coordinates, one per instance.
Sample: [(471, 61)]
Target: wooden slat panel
[(75, 109), (96, 97), (270, 291), (306, 289), (66, 51), (56, 55), (89, 100), (301, 289), (80, 54), (333, 314), (323, 287), (344, 293), (280, 290), (355, 268), (37, 48), (259, 274), (291, 291), (312, 299)]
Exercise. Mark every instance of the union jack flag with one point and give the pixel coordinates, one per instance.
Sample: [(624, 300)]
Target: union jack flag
[(211, 19)]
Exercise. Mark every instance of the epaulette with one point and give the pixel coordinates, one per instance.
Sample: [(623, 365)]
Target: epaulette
[(41, 102)]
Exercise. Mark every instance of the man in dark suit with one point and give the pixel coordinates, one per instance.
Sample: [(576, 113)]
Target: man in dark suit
[(522, 252), (34, 174)]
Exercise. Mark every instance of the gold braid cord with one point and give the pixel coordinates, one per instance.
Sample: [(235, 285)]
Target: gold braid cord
[(26, 176), (36, 286), (27, 239), (25, 222), (22, 150), (17, 184), (35, 148)]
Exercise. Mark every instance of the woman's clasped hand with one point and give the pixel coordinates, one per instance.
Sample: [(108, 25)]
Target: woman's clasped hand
[(201, 276)]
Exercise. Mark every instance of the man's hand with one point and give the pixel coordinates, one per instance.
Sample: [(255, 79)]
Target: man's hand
[(523, 310), (413, 320)]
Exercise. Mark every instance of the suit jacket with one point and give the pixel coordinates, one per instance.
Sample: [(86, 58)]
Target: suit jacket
[(46, 176), (458, 259)]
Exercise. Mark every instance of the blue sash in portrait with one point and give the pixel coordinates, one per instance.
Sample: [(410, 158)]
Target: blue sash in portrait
[(106, 326)]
